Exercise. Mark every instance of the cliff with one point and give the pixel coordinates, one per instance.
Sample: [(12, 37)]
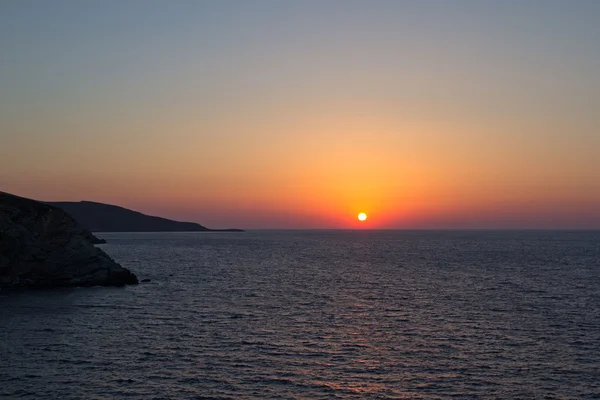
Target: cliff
[(99, 217), (42, 246)]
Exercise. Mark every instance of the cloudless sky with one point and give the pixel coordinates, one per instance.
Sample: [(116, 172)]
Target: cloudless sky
[(300, 114)]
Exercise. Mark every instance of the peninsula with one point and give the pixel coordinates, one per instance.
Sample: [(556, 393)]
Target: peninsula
[(100, 217)]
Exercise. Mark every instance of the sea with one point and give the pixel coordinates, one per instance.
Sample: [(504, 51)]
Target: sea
[(318, 315)]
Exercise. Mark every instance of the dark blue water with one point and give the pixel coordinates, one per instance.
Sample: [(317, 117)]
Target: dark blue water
[(318, 315)]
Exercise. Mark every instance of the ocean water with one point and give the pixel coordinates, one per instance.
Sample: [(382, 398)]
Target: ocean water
[(318, 315)]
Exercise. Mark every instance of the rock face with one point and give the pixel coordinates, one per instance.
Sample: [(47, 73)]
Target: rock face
[(42, 246)]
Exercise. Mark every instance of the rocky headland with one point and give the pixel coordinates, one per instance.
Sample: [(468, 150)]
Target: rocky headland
[(43, 246)]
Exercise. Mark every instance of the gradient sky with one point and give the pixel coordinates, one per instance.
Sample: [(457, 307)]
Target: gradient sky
[(300, 114)]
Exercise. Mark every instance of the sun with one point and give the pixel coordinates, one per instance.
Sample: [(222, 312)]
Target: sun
[(362, 217)]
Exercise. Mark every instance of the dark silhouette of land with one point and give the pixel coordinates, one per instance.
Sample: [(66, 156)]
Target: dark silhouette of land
[(43, 246), (100, 217)]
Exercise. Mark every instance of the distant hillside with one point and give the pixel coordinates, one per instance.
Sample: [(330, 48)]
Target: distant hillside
[(99, 217)]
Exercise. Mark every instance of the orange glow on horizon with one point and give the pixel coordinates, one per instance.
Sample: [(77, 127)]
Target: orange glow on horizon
[(408, 174)]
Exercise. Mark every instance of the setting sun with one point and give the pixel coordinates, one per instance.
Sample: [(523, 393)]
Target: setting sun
[(362, 217)]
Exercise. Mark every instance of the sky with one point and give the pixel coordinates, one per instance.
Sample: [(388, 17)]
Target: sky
[(301, 114)]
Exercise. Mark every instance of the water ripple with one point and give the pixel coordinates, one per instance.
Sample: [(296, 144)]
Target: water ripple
[(318, 315)]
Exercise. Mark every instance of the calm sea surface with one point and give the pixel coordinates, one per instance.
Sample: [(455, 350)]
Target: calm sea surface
[(318, 315)]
